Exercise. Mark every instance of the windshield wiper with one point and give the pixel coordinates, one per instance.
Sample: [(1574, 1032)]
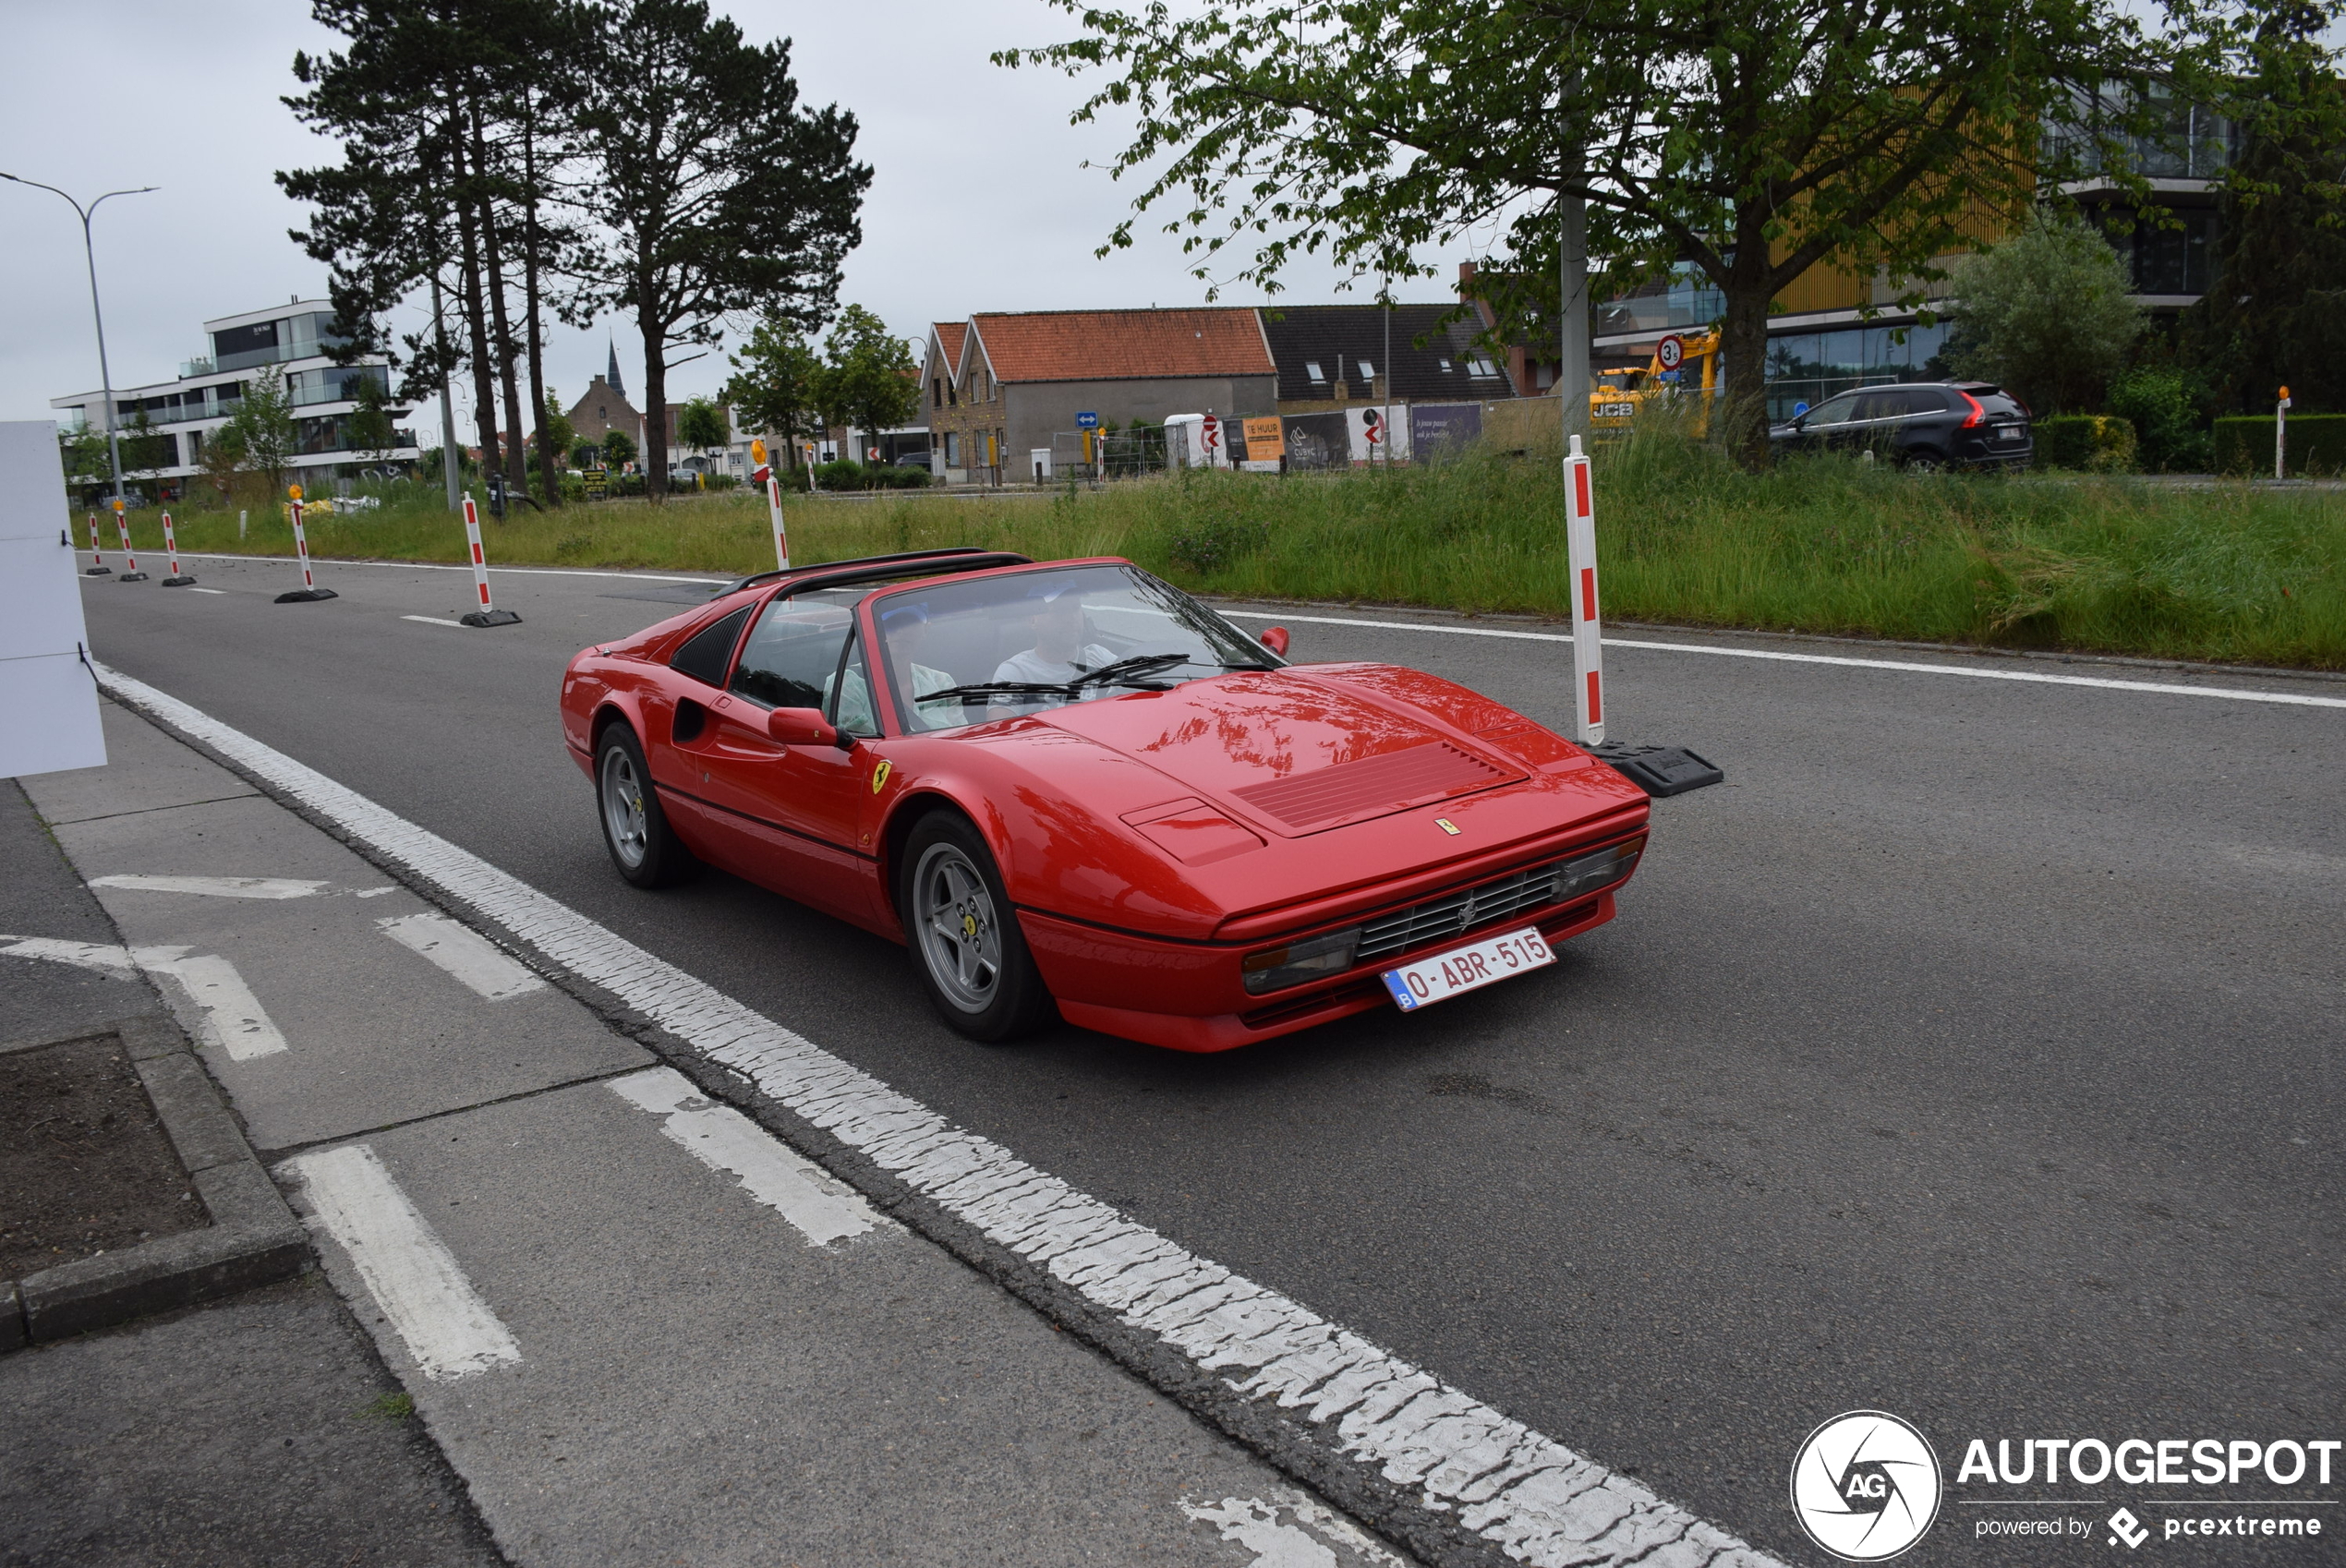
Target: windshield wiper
[(1123, 672)]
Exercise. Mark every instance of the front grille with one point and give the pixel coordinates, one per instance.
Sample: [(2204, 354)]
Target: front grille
[(1456, 913)]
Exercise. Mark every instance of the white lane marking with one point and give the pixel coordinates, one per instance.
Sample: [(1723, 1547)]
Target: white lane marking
[(98, 956), (371, 892), (233, 1015), (447, 1328), (214, 886), (1254, 1523), (434, 621), (193, 589), (463, 952), (2158, 687), (724, 1140), (503, 571), (1538, 1500)]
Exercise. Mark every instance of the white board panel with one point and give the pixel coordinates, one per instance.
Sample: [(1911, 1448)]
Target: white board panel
[(48, 715), (48, 697)]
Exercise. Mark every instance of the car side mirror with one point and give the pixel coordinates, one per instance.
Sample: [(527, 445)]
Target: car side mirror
[(801, 727), (1275, 638)]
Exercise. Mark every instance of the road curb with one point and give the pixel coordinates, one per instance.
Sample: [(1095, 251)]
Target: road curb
[(253, 1239)]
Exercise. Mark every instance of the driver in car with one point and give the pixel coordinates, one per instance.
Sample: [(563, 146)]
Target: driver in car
[(1058, 656), (905, 629)]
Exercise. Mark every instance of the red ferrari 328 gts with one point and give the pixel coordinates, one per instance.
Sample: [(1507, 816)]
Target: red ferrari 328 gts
[(1068, 784)]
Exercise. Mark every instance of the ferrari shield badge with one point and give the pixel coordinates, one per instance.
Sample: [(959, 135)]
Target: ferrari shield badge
[(880, 774), (1443, 823)]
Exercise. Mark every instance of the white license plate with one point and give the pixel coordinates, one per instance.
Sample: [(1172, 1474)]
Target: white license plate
[(1444, 975), (2007, 432)]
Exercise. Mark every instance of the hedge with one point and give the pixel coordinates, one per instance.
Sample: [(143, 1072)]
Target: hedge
[(2101, 443), (2316, 443)]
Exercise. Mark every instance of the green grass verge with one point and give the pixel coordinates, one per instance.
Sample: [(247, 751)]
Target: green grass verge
[(2107, 564)]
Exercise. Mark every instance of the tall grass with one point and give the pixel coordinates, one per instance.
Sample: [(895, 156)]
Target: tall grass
[(2112, 564)]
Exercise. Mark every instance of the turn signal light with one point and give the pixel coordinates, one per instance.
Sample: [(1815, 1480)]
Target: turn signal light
[(1607, 866), (1314, 958)]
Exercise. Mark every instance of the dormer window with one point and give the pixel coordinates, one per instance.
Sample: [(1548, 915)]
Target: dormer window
[(1312, 368)]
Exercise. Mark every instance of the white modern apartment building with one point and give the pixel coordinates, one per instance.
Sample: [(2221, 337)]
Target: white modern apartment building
[(180, 413)]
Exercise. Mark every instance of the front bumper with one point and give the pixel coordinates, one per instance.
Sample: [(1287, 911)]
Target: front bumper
[(1192, 996)]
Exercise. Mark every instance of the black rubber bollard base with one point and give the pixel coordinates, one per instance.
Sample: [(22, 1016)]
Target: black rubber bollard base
[(1657, 770), (307, 596), (132, 577), (491, 617), (179, 582), (97, 571)]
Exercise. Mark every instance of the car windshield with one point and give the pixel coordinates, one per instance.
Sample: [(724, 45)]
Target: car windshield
[(966, 651)]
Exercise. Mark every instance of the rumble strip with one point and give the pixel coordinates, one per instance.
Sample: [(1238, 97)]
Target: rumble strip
[(1472, 1468)]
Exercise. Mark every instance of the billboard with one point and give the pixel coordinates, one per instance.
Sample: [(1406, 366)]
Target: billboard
[(1440, 431)]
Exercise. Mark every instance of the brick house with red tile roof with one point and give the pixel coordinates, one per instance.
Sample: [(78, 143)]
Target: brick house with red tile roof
[(1000, 385)]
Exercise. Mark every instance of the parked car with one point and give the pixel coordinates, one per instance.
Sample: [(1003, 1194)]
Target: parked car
[(1074, 791), (1923, 426)]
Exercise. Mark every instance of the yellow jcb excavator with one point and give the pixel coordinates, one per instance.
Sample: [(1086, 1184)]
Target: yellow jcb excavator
[(1621, 391)]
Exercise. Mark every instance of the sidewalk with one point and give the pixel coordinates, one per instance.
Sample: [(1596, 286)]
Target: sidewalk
[(261, 1429), (640, 1327)]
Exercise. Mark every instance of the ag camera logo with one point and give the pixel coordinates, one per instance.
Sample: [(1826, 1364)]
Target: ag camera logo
[(1865, 1486)]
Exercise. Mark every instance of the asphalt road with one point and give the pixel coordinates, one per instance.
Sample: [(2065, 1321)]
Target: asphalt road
[(1973, 1054)]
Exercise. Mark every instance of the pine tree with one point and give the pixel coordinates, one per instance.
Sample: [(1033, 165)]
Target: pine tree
[(721, 192)]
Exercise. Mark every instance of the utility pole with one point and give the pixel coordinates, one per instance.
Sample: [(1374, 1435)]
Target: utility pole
[(450, 458), (89, 254), (1572, 328)]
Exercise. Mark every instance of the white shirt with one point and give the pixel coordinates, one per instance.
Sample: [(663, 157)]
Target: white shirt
[(1030, 666)]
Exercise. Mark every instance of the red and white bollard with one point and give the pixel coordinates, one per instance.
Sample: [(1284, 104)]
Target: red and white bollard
[(97, 567), (487, 614), (1588, 642), (309, 592), (130, 572), (764, 473), (171, 553)]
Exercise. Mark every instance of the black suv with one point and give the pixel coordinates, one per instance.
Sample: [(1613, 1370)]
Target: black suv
[(1923, 426)]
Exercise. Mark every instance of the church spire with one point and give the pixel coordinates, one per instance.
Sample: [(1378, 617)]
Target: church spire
[(611, 376)]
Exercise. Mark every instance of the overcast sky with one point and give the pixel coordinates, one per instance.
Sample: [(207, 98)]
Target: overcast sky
[(978, 201)]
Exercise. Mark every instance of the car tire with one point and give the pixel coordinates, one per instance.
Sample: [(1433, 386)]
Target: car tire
[(636, 831), (1923, 461), (964, 936)]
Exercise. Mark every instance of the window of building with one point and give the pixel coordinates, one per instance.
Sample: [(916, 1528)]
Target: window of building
[(1542, 377), (952, 449), (936, 392), (1312, 368), (1481, 365), (1368, 371)]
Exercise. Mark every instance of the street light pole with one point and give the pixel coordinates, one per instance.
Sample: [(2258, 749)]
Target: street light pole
[(89, 254)]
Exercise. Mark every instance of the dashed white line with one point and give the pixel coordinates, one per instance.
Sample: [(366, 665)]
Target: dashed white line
[(1538, 1500), (193, 589), (214, 886), (414, 1279), (434, 621), (98, 956), (231, 1014), (2161, 688), (724, 1140), (463, 952)]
